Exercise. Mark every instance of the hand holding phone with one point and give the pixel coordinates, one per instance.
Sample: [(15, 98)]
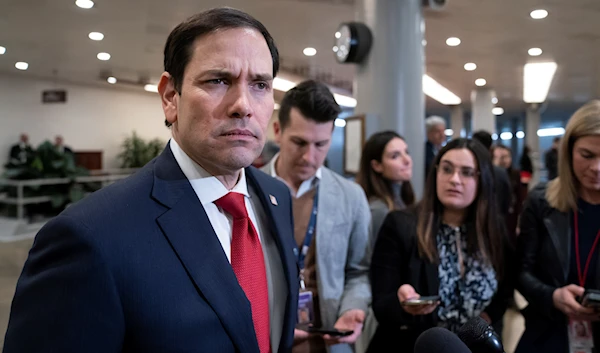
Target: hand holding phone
[(331, 331), (422, 301), (413, 303), (590, 299)]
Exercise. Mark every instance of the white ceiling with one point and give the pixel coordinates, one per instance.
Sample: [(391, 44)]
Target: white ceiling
[(51, 35)]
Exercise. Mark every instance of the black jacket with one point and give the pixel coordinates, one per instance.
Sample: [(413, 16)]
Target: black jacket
[(503, 194), (429, 157), (544, 252), (395, 262), (551, 162)]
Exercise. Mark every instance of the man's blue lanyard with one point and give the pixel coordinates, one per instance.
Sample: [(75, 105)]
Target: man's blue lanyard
[(310, 231)]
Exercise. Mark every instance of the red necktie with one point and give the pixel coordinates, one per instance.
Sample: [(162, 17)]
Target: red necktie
[(248, 264)]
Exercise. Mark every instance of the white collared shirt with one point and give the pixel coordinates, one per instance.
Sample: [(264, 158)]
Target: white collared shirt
[(209, 189), (306, 185)]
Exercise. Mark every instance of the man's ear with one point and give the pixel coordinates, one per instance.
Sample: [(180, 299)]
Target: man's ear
[(169, 97), (277, 130)]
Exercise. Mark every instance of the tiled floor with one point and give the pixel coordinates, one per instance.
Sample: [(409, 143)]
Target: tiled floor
[(14, 254)]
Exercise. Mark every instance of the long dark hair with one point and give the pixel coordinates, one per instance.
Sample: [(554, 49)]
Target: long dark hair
[(374, 184), (485, 232)]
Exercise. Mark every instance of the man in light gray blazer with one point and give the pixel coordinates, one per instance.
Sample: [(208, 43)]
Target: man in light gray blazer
[(334, 259)]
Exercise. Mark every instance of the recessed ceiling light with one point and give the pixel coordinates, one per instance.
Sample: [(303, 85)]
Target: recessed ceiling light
[(480, 82), (495, 100), (103, 56), (497, 111), (335, 48), (111, 80), (520, 134), (453, 41), (151, 88), (448, 132), (96, 36), (470, 66), (338, 35), (310, 51), (84, 4), (505, 136), (2, 50), (494, 137), (538, 14), (535, 51), (22, 65), (424, 42)]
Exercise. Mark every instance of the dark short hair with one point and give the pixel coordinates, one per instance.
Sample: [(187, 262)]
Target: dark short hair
[(484, 137), (313, 99), (178, 49)]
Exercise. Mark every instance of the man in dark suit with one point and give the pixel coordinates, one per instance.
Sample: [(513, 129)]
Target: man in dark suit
[(435, 128), (195, 252), (21, 152), (59, 144)]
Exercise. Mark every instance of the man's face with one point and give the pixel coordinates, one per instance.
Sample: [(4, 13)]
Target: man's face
[(58, 140), (220, 116), (436, 135), (24, 138), (502, 158), (304, 145)]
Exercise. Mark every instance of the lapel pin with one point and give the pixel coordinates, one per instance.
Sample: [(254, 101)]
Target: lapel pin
[(273, 200)]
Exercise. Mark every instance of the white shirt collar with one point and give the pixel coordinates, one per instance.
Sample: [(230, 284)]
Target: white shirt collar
[(305, 186), (207, 186), (274, 172)]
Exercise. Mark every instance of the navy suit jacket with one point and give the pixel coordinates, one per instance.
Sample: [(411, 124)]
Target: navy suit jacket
[(137, 267)]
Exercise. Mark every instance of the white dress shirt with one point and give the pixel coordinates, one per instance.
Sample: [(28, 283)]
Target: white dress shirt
[(209, 189), (306, 184)]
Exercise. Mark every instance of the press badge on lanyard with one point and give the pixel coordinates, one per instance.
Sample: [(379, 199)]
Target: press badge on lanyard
[(581, 339), (306, 312)]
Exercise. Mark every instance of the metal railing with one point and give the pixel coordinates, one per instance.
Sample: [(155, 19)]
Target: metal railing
[(105, 177)]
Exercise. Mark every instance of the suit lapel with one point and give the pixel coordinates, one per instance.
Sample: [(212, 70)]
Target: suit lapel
[(279, 216), (327, 207), (189, 231), (558, 227)]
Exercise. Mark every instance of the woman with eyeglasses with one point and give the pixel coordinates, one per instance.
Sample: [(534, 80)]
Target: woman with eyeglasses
[(451, 246), (558, 245)]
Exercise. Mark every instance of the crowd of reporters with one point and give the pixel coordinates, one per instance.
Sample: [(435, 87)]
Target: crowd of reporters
[(364, 249)]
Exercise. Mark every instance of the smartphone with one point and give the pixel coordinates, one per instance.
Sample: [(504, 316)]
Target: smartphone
[(590, 299), (331, 332), (433, 299)]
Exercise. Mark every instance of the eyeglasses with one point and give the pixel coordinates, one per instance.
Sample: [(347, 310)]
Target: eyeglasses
[(448, 170)]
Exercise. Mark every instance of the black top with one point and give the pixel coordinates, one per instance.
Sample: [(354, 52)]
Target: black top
[(546, 258), (589, 225), (396, 261), (551, 161)]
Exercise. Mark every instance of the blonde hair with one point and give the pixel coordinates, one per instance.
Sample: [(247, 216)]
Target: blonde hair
[(562, 192)]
